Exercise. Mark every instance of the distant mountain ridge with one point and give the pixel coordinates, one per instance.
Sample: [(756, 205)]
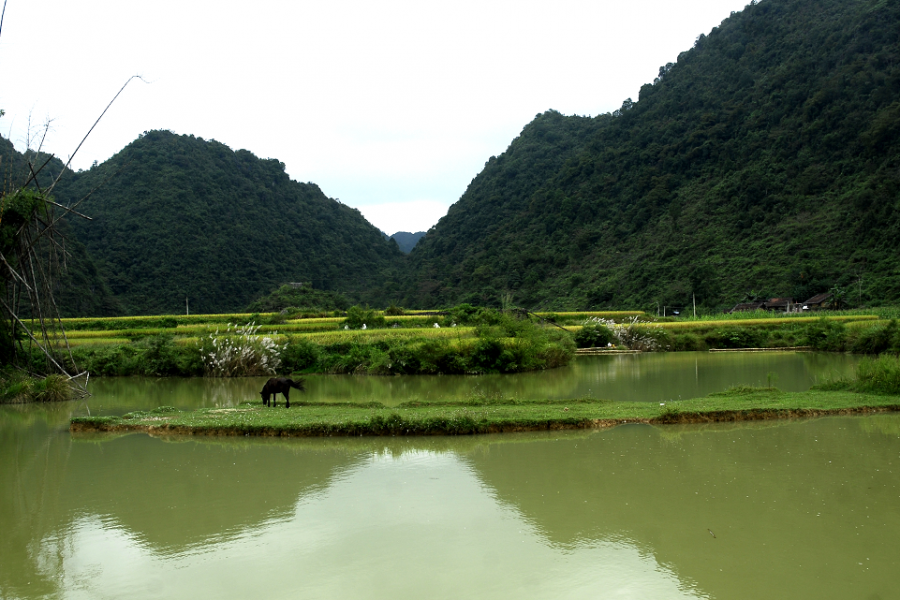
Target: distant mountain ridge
[(407, 241), (766, 158), (179, 217)]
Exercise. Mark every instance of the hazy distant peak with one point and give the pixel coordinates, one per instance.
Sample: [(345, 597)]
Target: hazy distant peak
[(406, 240)]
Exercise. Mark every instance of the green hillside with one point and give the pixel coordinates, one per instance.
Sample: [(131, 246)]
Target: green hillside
[(766, 158), (178, 216)]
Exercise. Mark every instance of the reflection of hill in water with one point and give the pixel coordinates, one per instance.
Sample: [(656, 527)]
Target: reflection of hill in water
[(776, 498), (171, 497), (177, 495)]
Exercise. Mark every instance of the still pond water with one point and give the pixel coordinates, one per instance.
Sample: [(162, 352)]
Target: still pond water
[(789, 509), (628, 377)]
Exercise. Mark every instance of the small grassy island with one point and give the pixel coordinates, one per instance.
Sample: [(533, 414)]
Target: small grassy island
[(464, 418)]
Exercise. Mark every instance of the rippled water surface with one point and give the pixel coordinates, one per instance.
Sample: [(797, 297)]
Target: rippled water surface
[(788, 509)]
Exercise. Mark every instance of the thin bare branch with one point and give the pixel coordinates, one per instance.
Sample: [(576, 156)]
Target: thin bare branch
[(46, 131), (67, 209), (69, 162), (2, 16), (13, 272), (34, 173)]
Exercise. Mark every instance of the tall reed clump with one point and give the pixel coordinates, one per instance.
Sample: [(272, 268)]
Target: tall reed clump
[(240, 353), (879, 375), (21, 388)]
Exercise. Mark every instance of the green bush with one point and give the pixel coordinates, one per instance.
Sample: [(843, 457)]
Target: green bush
[(877, 339), (735, 337), (688, 342), (160, 356), (358, 316), (299, 354), (593, 336), (394, 311), (826, 335)]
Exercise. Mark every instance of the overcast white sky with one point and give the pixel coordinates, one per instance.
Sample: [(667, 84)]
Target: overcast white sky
[(392, 106)]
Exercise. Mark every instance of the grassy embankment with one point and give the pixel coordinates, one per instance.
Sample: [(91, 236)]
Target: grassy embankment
[(470, 418)]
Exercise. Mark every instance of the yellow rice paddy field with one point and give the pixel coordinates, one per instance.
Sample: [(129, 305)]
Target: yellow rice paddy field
[(188, 329)]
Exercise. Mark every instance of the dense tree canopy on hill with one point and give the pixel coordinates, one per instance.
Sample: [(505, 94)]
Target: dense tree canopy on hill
[(180, 217), (767, 157)]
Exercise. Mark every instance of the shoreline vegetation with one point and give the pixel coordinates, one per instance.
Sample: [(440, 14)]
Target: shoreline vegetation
[(486, 416), (461, 340)]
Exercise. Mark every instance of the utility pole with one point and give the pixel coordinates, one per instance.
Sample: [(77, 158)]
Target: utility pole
[(187, 310), (694, 298)]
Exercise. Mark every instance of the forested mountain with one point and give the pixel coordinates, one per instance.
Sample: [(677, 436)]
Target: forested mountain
[(79, 288), (406, 240), (178, 217), (767, 157)]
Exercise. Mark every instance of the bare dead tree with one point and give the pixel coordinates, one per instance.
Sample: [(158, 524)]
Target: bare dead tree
[(33, 256)]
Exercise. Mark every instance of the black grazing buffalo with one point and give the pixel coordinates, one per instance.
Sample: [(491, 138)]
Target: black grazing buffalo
[(280, 385)]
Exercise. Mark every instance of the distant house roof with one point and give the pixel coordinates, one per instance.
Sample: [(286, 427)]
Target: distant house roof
[(779, 302), (819, 298)]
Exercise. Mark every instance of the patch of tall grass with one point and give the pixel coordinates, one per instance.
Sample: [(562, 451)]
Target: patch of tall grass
[(19, 388), (879, 375)]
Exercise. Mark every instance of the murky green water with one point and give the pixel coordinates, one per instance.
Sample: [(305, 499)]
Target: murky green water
[(803, 509), (645, 377), (788, 509)]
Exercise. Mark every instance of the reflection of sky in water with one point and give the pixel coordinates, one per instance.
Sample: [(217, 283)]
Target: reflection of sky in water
[(418, 525)]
